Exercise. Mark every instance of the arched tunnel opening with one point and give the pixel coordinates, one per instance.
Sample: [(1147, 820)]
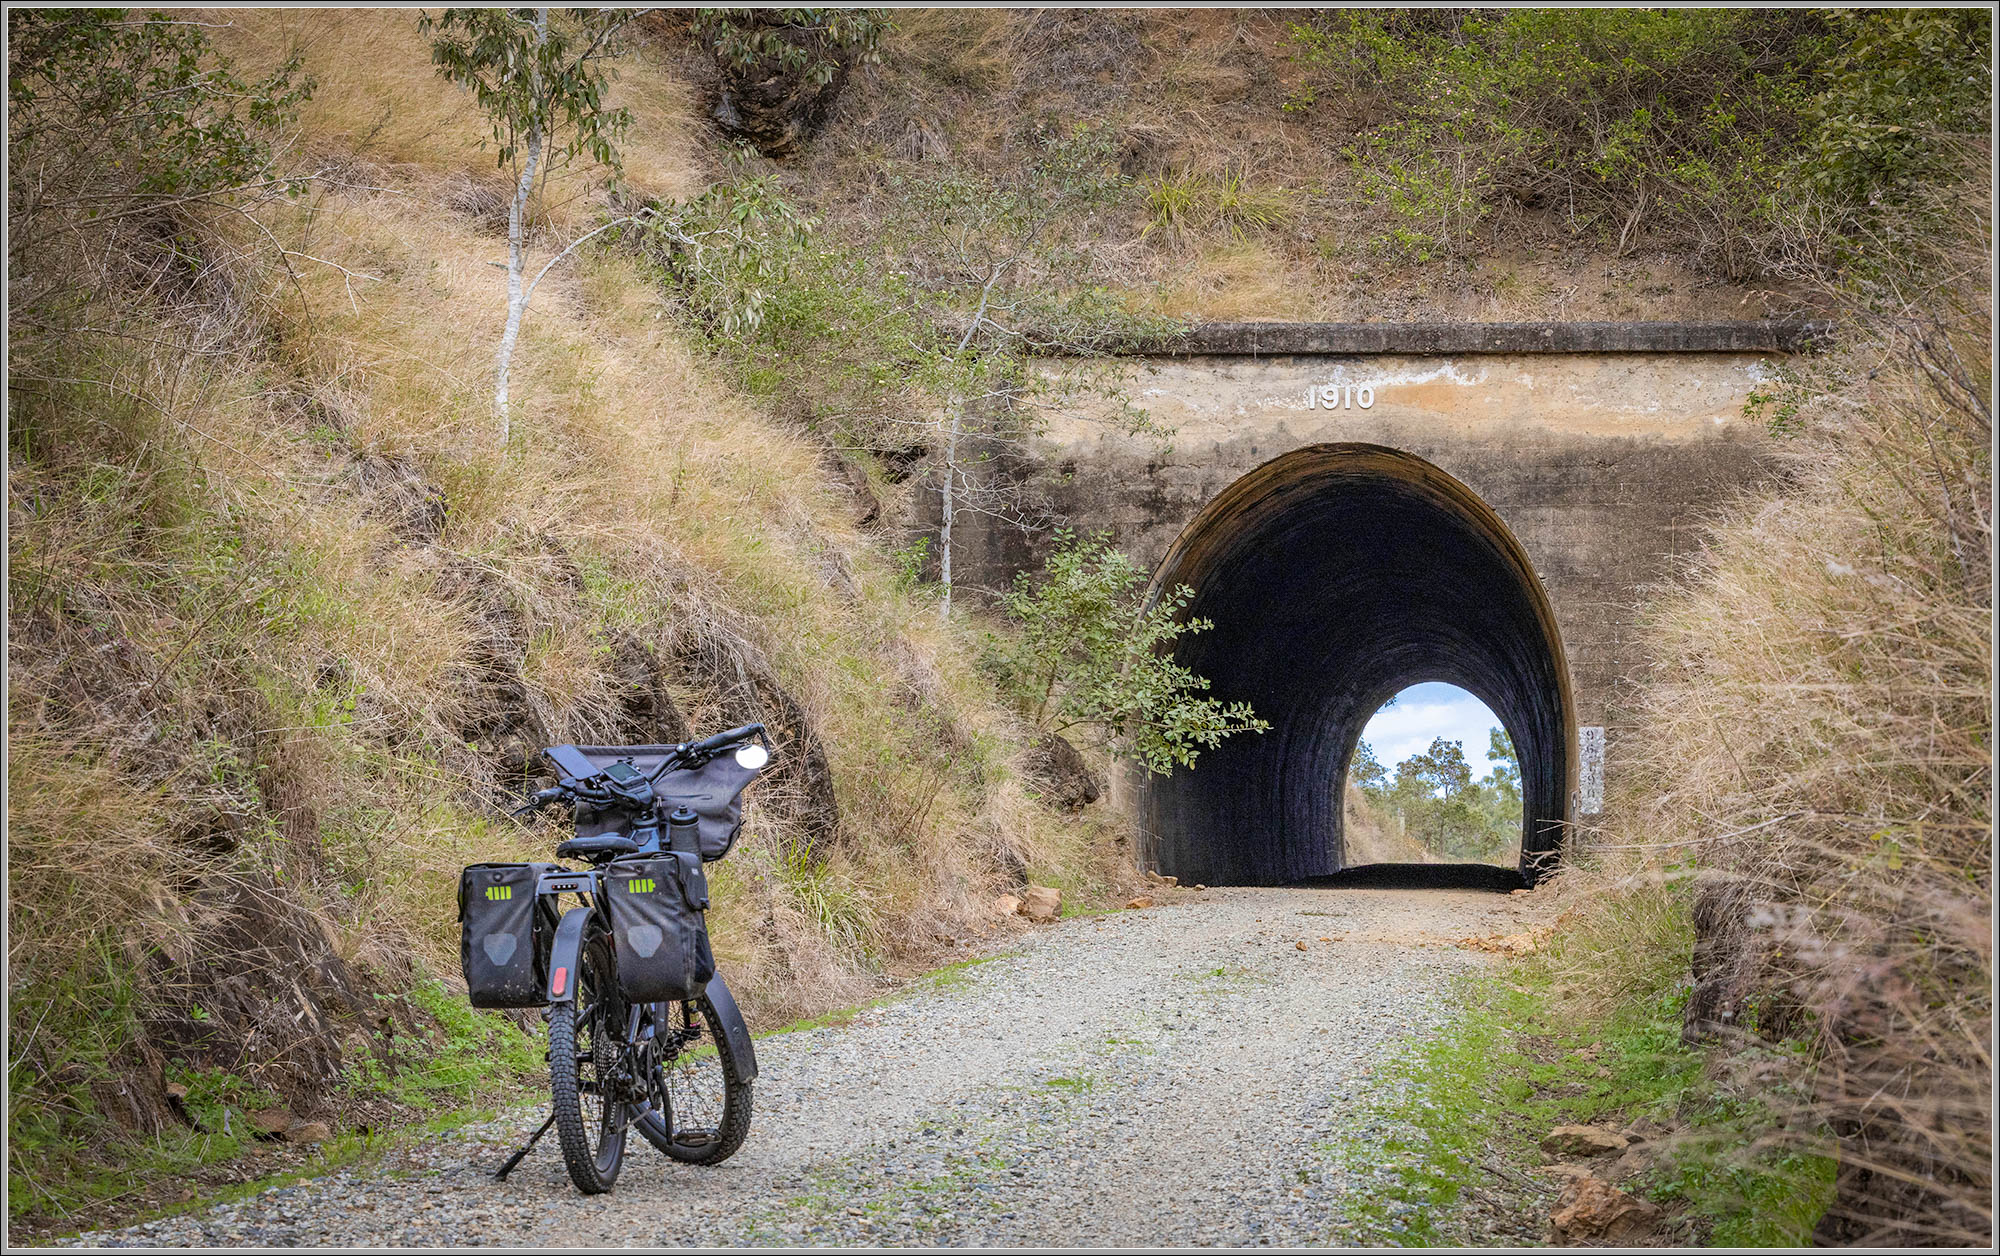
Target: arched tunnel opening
[(1337, 575)]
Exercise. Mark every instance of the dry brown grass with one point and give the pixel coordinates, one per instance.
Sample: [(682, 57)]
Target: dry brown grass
[(381, 101), (1819, 726), (634, 456), (1239, 281)]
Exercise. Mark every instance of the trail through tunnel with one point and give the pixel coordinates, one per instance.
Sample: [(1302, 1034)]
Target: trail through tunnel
[(1337, 575)]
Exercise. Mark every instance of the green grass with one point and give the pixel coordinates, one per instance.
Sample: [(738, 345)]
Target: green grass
[(1489, 1087), (1227, 977), (352, 1149), (461, 1066), (466, 1053), (951, 976)]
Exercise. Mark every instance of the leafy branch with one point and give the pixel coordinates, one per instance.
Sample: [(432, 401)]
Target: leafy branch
[(1090, 654)]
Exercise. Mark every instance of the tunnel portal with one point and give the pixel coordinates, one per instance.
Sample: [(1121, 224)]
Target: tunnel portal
[(1336, 575)]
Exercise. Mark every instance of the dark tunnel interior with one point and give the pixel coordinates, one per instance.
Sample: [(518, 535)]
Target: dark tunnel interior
[(1337, 575)]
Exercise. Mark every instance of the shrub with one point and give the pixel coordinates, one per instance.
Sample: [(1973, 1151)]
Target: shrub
[(110, 116), (1772, 137), (1091, 654)]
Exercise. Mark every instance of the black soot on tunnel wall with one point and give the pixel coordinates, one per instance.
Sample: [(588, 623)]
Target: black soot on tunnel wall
[(1336, 576)]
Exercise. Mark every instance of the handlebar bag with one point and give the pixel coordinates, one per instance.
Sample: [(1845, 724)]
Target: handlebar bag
[(715, 792), (503, 938), (657, 928)]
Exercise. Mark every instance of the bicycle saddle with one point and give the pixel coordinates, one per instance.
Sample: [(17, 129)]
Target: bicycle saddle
[(602, 846)]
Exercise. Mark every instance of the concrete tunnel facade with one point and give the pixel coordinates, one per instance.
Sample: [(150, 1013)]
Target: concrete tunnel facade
[(1345, 550), (1337, 575)]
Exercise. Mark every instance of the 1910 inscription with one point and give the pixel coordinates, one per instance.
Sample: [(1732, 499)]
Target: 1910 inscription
[(1340, 397)]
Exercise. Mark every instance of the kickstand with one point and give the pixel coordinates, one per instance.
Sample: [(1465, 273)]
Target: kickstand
[(500, 1174)]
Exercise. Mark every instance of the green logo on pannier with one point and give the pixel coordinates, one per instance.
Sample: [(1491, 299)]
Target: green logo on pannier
[(494, 893), (641, 885)]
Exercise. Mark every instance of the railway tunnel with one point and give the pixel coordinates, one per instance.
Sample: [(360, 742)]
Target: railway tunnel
[(1337, 575)]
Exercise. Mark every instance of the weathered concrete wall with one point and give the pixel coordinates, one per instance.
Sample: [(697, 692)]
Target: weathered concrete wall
[(1601, 464)]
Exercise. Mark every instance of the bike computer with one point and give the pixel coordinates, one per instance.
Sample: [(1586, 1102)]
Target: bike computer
[(623, 773)]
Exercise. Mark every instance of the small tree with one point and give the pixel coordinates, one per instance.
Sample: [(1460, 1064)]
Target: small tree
[(1090, 654), (1001, 257), (542, 83), (1429, 792)]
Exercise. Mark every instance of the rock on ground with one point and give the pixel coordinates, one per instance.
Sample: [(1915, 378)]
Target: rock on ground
[(1592, 1211), (1041, 903), (1584, 1140)]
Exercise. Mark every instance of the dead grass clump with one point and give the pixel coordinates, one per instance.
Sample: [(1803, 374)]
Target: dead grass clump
[(1819, 728), (965, 49), (1234, 281)]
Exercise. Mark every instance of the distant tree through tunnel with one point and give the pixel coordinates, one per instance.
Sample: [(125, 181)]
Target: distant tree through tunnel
[(1337, 575)]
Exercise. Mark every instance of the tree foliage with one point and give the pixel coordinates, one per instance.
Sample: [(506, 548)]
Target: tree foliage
[(1434, 797), (1090, 654), (538, 75), (809, 44), (1366, 771), (862, 323), (113, 116), (729, 253)]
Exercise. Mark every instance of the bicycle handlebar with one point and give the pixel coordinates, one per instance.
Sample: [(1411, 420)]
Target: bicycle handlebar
[(699, 751), (541, 799), (709, 745)]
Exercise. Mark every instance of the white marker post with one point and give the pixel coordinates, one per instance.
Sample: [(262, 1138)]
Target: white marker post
[(1590, 774)]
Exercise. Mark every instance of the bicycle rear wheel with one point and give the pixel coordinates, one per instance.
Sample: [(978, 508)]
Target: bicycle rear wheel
[(699, 1100), (584, 1044)]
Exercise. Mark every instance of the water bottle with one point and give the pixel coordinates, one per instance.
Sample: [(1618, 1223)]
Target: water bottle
[(684, 831)]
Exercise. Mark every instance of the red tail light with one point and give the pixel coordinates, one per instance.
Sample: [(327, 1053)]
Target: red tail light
[(557, 982)]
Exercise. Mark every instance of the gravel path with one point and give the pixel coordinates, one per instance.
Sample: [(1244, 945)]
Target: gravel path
[(1176, 1075)]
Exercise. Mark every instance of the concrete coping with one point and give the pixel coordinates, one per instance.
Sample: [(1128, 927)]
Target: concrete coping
[(1278, 339)]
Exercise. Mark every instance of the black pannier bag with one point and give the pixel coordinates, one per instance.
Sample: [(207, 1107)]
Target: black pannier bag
[(503, 939), (656, 906)]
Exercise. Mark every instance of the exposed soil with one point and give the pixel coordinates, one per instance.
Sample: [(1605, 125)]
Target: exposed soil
[(1182, 1074)]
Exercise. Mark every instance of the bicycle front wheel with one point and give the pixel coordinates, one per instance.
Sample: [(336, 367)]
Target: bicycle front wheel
[(699, 1109), (584, 1043)]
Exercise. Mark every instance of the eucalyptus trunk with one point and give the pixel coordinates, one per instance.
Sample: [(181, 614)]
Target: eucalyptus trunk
[(517, 259)]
